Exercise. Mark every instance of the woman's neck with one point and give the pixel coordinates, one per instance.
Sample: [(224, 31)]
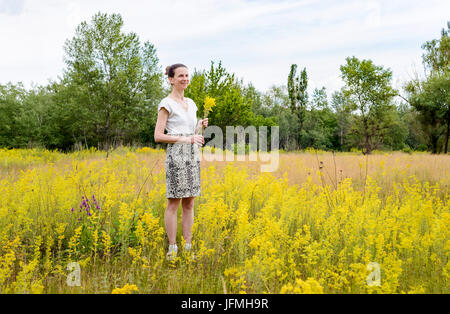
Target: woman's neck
[(178, 94)]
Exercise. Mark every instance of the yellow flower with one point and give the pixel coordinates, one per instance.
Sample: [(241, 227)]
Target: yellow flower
[(209, 104), (127, 289), (310, 286), (292, 231)]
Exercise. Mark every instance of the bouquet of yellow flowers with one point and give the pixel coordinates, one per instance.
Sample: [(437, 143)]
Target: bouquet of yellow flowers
[(207, 107), (209, 104)]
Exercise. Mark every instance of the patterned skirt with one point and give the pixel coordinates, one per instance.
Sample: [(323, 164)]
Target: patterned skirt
[(182, 169)]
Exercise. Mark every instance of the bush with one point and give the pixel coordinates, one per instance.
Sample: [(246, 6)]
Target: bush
[(407, 149), (422, 148), (245, 146)]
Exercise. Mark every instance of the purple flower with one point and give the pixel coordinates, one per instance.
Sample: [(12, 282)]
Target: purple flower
[(72, 210)]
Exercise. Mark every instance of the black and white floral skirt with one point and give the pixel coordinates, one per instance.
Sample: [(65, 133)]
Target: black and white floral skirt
[(182, 169)]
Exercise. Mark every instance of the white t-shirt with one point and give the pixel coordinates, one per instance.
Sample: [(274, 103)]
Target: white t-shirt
[(180, 121)]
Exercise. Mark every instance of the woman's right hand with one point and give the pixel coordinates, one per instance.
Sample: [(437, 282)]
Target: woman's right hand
[(197, 139)]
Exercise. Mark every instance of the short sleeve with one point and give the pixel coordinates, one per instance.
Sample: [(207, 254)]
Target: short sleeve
[(194, 105), (166, 105)]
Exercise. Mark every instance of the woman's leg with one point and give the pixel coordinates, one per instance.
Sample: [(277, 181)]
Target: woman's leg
[(187, 219), (170, 219)]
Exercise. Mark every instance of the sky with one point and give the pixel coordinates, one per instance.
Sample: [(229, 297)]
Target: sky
[(258, 40)]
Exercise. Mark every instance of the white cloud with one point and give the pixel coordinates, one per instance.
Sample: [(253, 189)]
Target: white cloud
[(11, 7)]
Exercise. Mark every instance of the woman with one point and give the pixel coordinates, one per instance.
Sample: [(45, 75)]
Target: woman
[(177, 114)]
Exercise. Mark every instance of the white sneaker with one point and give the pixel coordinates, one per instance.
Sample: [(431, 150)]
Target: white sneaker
[(172, 252), (187, 249)]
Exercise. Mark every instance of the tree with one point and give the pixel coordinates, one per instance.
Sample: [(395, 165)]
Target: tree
[(369, 93), (110, 83), (213, 83), (416, 137), (436, 57), (298, 95), (255, 97), (234, 101), (11, 110), (275, 105), (431, 97), (319, 99), (287, 122), (320, 123), (343, 115), (395, 138), (39, 102)]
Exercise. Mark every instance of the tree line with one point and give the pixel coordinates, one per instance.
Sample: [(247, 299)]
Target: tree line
[(112, 83)]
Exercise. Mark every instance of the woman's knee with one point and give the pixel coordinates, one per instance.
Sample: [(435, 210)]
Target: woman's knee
[(173, 204), (188, 203)]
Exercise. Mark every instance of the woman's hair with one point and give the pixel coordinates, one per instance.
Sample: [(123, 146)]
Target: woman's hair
[(170, 70)]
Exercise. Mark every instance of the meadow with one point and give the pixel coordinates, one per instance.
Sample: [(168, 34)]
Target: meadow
[(322, 223)]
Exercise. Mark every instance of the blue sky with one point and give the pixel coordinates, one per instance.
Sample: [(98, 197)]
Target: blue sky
[(257, 40)]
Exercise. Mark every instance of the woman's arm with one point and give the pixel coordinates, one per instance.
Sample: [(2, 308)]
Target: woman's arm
[(160, 137), (198, 128), (201, 123)]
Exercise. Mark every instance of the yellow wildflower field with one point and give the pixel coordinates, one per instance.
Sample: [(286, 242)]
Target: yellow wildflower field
[(86, 222)]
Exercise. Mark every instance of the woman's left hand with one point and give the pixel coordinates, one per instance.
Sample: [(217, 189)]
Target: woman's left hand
[(205, 122)]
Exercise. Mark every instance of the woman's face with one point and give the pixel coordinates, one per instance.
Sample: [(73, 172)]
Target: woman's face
[(181, 78)]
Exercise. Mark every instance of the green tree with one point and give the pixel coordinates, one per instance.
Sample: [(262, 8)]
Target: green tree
[(216, 83), (436, 57), (234, 101), (369, 93), (319, 99), (287, 121), (320, 123), (275, 105), (395, 139), (110, 83), (431, 97), (298, 96), (342, 111), (256, 99), (11, 110), (39, 102)]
